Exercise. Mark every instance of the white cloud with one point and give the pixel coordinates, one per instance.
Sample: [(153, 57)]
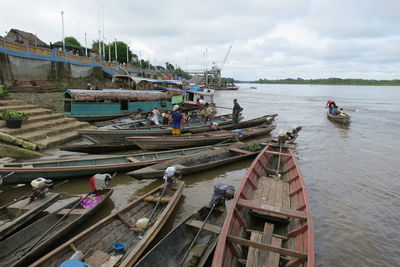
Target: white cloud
[(273, 39)]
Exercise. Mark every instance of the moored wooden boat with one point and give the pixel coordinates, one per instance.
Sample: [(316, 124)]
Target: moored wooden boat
[(117, 137), (202, 161), (13, 217), (172, 248), (14, 247), (339, 119), (96, 242), (209, 138), (85, 166), (270, 222)]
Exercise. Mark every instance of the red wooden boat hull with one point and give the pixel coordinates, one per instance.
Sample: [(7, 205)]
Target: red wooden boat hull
[(300, 240)]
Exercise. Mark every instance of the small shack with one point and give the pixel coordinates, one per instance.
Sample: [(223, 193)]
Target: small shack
[(22, 37)]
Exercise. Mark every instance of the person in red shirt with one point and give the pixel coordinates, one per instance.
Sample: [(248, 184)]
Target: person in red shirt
[(329, 102)]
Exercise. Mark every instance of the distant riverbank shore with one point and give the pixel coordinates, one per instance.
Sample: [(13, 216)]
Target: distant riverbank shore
[(331, 81)]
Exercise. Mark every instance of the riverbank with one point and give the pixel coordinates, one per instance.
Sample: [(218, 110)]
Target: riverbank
[(331, 81)]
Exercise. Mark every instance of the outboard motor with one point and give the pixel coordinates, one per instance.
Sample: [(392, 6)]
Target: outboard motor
[(99, 182), (282, 136), (171, 174), (221, 193), (40, 187)]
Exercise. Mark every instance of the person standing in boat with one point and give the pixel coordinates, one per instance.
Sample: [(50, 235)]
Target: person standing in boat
[(236, 111), (156, 112), (176, 122)]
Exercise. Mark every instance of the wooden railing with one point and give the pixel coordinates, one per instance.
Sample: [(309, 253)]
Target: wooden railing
[(15, 47), (39, 51)]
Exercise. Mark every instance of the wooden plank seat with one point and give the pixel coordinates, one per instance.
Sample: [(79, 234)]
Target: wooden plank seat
[(278, 153), (132, 159), (157, 198), (264, 208), (257, 257), (72, 212), (208, 227), (241, 151), (271, 192)]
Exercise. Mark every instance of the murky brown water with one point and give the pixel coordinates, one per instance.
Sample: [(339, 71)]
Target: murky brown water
[(349, 171)]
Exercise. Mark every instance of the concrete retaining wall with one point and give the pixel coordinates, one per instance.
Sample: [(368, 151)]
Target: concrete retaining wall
[(67, 74)]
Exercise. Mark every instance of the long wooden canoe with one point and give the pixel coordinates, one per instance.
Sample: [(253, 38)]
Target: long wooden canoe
[(141, 124), (201, 161), (96, 242), (270, 222), (85, 166), (117, 137), (201, 139), (12, 252), (339, 119), (13, 217), (170, 251)]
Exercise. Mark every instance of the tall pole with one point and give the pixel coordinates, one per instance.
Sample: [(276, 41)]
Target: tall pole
[(109, 52), (206, 68), (100, 45), (127, 54), (186, 65), (116, 54), (62, 21), (102, 13), (79, 38), (85, 45), (140, 59), (99, 13)]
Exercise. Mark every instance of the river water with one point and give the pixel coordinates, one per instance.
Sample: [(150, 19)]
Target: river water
[(349, 171)]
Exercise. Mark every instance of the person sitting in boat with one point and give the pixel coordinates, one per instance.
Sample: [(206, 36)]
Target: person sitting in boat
[(341, 112), (198, 104), (177, 119), (208, 113), (329, 102), (333, 109), (187, 118)]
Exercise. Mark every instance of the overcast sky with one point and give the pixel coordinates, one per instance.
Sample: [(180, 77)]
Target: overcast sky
[(270, 38)]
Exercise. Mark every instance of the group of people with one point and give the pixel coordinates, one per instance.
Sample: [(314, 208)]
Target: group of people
[(176, 118), (333, 108)]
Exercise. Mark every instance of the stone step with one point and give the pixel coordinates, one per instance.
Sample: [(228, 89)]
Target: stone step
[(56, 139), (37, 118), (42, 134), (11, 102), (36, 126), (18, 107), (37, 111)]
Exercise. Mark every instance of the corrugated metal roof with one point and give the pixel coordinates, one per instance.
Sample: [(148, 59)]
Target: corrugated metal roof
[(119, 94)]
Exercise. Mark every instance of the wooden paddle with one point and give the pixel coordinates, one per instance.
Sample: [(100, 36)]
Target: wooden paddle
[(54, 225), (8, 175)]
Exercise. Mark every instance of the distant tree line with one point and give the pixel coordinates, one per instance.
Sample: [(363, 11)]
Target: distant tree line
[(331, 81)]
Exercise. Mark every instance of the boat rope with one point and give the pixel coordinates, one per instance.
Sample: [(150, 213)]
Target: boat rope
[(279, 156), (154, 210)]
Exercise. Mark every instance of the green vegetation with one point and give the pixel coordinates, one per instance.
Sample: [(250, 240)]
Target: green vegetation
[(331, 81), (254, 148), (13, 114), (3, 91)]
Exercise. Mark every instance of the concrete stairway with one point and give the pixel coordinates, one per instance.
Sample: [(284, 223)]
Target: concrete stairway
[(43, 127)]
